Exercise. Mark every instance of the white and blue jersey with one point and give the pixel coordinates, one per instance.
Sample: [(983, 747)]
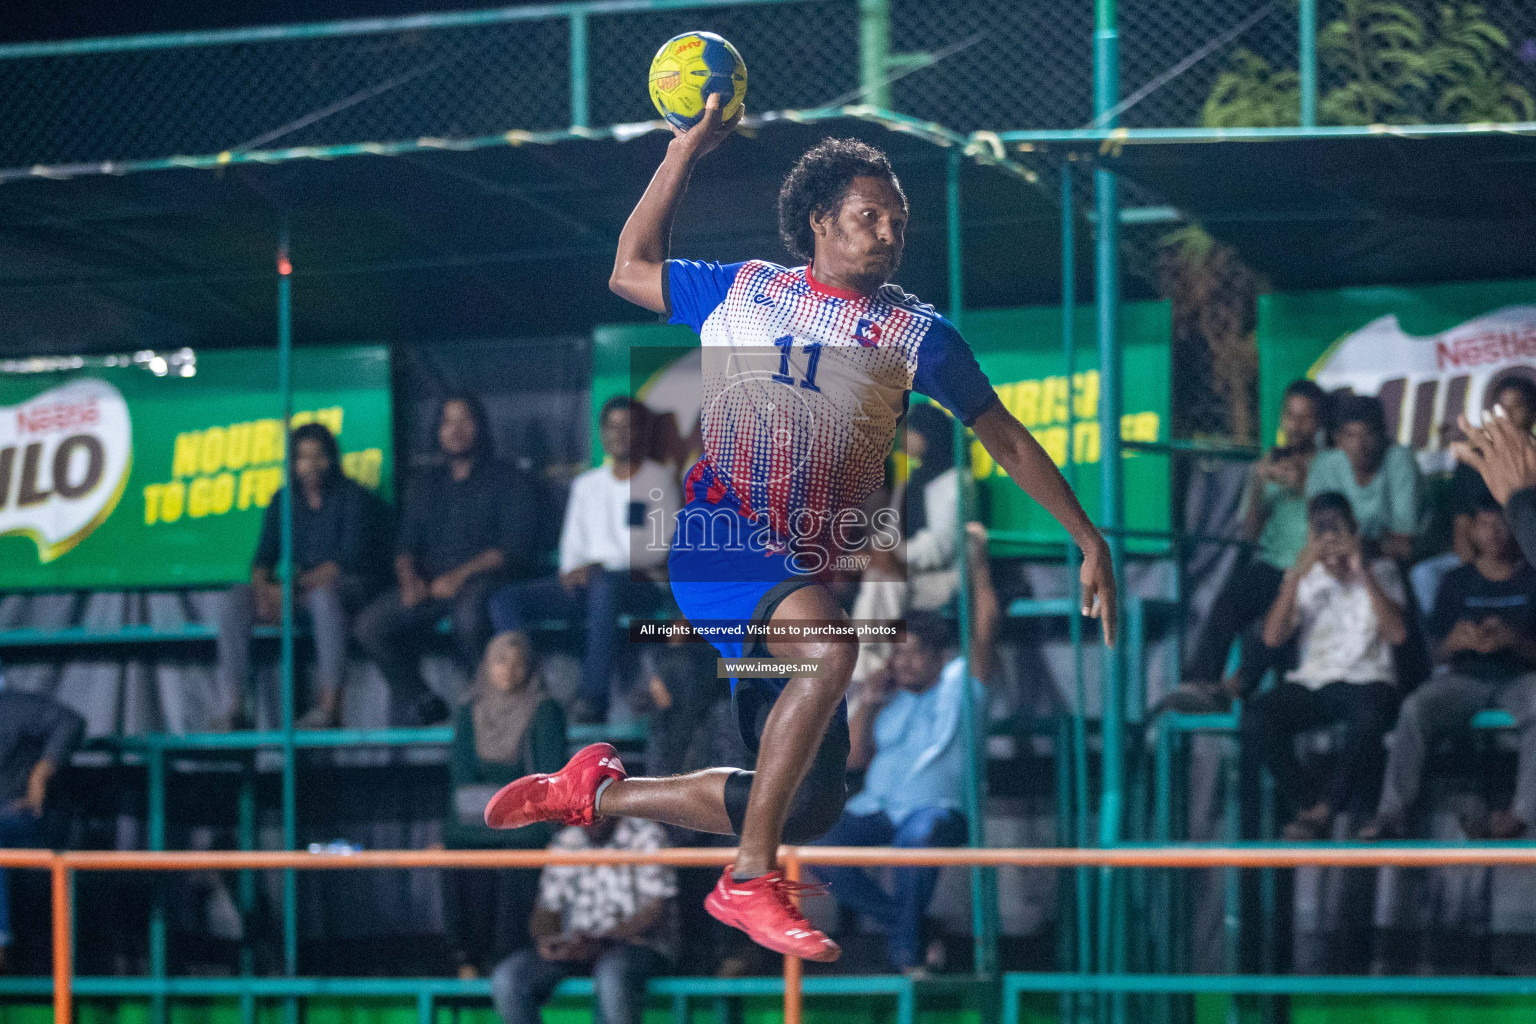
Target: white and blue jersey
[(804, 387)]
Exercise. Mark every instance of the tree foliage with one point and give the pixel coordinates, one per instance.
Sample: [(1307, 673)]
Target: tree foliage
[(1251, 92), (1383, 62)]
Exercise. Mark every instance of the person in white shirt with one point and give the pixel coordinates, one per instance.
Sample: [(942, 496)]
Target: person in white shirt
[(613, 552), (615, 922), (1347, 614)]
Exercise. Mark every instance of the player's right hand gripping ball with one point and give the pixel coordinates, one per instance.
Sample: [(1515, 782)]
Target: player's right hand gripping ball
[(688, 68)]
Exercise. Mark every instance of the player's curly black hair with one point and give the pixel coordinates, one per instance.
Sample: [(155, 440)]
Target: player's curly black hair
[(819, 182)]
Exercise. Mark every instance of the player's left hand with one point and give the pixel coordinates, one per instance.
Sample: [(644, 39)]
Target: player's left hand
[(1097, 578)]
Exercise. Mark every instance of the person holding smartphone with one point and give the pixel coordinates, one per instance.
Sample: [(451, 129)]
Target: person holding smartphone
[(1345, 611)]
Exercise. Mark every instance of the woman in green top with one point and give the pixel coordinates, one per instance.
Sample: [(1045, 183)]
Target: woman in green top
[(1275, 519), (509, 728)]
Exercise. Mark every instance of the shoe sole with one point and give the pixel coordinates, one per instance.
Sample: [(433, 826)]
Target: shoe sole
[(825, 955)]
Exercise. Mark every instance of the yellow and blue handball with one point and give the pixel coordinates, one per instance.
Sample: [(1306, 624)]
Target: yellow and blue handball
[(688, 68)]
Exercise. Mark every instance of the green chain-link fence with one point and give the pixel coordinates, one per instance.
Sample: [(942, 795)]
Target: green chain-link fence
[(966, 64)]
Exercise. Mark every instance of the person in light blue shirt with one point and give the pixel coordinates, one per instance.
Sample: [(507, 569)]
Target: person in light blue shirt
[(1380, 479), (908, 736)]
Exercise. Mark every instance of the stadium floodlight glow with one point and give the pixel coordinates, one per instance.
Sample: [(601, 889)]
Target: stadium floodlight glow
[(180, 363)]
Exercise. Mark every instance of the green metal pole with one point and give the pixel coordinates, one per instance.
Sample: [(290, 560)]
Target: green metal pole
[(1306, 30), (1083, 881), (290, 802), (1106, 93), (247, 883), (579, 108), (983, 903), (155, 767), (875, 51)]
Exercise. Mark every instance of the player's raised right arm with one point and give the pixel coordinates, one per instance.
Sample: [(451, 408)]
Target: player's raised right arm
[(643, 243)]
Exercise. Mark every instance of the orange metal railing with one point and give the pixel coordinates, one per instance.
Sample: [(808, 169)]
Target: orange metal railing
[(61, 865)]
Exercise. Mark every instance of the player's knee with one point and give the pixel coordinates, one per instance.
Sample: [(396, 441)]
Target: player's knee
[(816, 809), (836, 659), (819, 801)]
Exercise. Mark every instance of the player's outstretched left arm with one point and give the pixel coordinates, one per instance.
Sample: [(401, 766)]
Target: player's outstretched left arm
[(1014, 448)]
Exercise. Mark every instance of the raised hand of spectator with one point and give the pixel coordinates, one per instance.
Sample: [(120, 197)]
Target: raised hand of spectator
[(1504, 455), (1311, 554), (1347, 548), (1496, 635), (413, 589), (1288, 471), (577, 577), (269, 601), (880, 686), (446, 587), (324, 575), (37, 789), (884, 562), (1464, 636), (573, 948)]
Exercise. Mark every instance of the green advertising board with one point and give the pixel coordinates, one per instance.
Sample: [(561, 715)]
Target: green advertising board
[(113, 476), (1430, 352), (1021, 352)]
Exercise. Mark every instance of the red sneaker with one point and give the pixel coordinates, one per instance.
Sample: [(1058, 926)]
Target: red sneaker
[(765, 909), (567, 796)]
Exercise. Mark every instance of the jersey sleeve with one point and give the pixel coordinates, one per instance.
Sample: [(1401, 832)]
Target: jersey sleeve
[(695, 289), (948, 373)]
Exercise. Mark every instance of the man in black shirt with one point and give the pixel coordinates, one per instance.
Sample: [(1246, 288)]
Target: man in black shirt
[(341, 551), (1484, 627), (37, 735), (466, 526)]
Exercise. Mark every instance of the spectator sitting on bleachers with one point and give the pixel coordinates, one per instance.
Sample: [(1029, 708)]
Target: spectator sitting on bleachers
[(923, 574), (340, 551), (464, 530), (509, 728), (1348, 614), (1274, 516), (37, 735), (1466, 493), (613, 549), (1380, 479), (1484, 625), (617, 921), (908, 736)]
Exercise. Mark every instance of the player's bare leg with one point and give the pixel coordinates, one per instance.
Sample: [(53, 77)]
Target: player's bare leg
[(695, 800), (794, 730)]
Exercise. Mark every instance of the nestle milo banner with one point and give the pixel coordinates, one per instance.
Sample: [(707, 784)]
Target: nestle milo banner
[(1021, 352), (1430, 353), (113, 476)]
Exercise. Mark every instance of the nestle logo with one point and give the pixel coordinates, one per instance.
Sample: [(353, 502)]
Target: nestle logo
[(1487, 347), (63, 416)]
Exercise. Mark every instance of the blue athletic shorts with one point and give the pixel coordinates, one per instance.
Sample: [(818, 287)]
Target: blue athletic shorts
[(725, 574)]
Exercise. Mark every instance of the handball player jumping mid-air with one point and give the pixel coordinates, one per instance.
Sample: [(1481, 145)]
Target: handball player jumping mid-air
[(807, 374)]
